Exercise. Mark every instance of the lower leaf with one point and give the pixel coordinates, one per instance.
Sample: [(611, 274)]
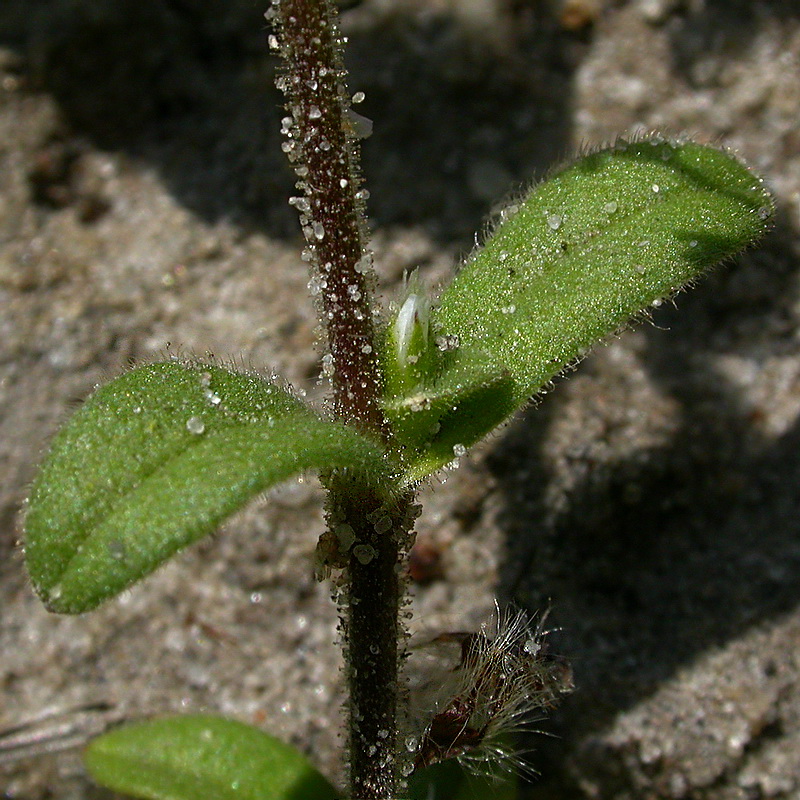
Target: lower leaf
[(202, 757), (158, 458), (450, 781)]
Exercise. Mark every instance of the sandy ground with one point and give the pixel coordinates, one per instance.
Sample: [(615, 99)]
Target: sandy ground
[(652, 498)]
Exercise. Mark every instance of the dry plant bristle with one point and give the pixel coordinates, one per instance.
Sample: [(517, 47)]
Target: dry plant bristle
[(504, 679)]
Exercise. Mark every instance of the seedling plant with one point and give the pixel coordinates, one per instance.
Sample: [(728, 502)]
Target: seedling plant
[(159, 457)]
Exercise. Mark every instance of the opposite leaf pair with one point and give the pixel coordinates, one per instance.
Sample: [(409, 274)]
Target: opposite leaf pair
[(161, 456)]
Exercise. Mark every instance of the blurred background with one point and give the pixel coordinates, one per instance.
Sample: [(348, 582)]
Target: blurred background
[(652, 499)]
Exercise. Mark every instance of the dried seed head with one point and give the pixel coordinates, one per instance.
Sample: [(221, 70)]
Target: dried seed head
[(503, 679)]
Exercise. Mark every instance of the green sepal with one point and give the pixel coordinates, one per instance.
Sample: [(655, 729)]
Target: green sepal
[(410, 357), (202, 756), (158, 458)]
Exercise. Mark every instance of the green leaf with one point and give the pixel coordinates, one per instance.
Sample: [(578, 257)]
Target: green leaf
[(592, 247), (450, 781), (202, 756), (157, 459)]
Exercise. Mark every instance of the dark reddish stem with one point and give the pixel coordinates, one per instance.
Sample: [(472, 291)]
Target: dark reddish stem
[(322, 146)]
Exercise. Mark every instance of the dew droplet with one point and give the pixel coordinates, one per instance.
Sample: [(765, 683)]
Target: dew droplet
[(366, 349), (273, 42), (314, 112), (56, 592), (319, 231), (641, 269), (656, 188), (693, 243), (610, 207), (195, 425), (358, 97), (459, 450), (764, 213)]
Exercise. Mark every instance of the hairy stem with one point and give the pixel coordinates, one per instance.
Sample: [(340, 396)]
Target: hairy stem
[(323, 149), (372, 625), (373, 591)]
